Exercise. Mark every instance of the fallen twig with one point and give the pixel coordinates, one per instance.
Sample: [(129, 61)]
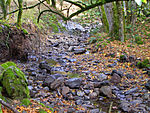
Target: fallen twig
[(8, 106)]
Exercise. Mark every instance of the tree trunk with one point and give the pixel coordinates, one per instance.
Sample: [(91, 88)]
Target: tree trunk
[(115, 16), (19, 13), (104, 18), (3, 6), (109, 15), (121, 21)]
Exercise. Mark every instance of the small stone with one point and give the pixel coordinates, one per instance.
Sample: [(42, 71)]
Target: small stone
[(80, 93), (115, 78), (87, 92), (65, 90), (94, 111), (125, 106), (102, 77), (48, 80), (147, 85), (129, 76), (79, 51), (57, 83), (79, 102), (130, 91), (44, 65), (71, 49), (132, 58), (71, 110), (106, 90), (93, 95)]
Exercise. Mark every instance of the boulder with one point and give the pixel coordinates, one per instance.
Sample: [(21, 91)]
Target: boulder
[(73, 83), (13, 81)]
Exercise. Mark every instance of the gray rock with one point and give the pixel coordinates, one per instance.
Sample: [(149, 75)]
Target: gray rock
[(102, 77), (136, 102), (30, 87), (94, 110), (125, 106), (129, 76), (106, 90), (46, 88), (88, 106), (86, 97), (79, 102), (80, 93), (71, 49), (44, 65), (132, 58), (57, 83), (65, 90), (133, 90), (147, 85), (57, 75), (93, 95), (73, 82), (48, 80), (87, 92), (79, 51), (71, 110), (100, 84), (115, 78)]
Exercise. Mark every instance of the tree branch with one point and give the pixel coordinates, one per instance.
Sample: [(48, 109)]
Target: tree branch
[(74, 3), (8, 106), (49, 10), (30, 7)]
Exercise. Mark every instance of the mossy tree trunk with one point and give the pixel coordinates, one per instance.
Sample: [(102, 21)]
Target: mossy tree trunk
[(104, 18), (54, 3), (4, 9), (19, 13), (115, 17), (121, 20)]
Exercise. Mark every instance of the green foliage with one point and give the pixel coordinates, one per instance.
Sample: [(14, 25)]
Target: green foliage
[(50, 108), (92, 40), (138, 40), (25, 31), (143, 64), (26, 102), (43, 105), (1, 109), (41, 111)]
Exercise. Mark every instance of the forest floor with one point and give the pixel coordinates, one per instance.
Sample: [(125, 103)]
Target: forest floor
[(88, 74), (82, 73)]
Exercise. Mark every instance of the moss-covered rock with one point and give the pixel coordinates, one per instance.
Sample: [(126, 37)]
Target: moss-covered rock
[(13, 81)]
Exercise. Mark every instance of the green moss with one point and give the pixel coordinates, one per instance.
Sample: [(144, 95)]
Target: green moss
[(13, 81), (41, 111), (143, 64), (26, 102), (104, 18), (25, 31)]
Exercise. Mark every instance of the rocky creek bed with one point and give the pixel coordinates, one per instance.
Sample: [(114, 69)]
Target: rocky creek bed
[(65, 77)]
